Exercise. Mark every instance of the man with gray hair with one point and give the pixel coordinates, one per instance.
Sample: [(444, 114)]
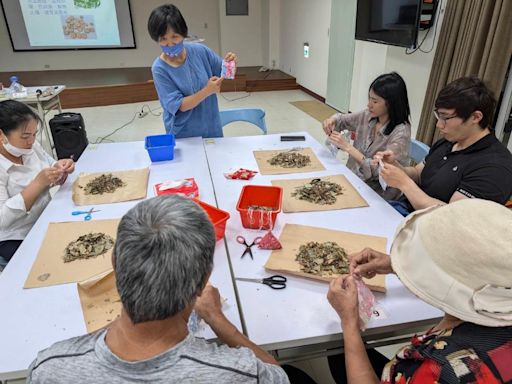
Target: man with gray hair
[(162, 260)]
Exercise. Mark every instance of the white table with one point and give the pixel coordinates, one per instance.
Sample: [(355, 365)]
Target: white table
[(33, 319), (300, 314)]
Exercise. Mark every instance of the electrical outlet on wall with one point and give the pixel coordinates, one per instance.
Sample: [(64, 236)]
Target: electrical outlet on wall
[(47, 66), (205, 25), (273, 64)]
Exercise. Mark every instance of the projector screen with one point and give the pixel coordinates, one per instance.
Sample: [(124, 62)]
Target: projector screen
[(41, 25)]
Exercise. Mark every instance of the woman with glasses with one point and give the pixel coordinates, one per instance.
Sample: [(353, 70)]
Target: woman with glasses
[(468, 162), (384, 125)]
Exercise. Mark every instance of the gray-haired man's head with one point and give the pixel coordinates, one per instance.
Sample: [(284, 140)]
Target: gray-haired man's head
[(163, 255)]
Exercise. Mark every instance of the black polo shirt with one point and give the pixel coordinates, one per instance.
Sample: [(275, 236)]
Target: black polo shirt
[(483, 170)]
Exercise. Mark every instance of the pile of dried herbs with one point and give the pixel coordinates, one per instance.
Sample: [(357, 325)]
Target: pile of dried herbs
[(323, 258), (290, 159), (319, 192), (86, 246), (260, 208), (103, 184)]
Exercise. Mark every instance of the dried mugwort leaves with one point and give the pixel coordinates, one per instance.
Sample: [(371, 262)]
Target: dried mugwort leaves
[(87, 246), (259, 208), (290, 159), (103, 184), (319, 192), (326, 258)]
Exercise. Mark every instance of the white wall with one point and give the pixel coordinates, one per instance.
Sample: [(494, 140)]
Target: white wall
[(369, 62), (242, 34), (305, 21), (202, 17), (265, 32), (274, 31), (270, 25), (373, 59)]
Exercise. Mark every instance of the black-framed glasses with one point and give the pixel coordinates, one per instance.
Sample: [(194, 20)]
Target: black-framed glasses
[(442, 119)]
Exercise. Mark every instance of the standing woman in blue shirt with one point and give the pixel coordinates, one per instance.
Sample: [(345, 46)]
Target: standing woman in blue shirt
[(186, 76)]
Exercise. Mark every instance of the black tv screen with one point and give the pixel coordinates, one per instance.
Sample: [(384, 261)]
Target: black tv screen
[(393, 22)]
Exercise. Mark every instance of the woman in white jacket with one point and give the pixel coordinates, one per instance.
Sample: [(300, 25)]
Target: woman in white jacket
[(26, 174)]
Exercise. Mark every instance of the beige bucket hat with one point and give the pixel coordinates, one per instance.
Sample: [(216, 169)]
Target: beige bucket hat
[(458, 258)]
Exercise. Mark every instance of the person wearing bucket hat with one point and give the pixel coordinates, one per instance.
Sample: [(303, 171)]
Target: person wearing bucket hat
[(458, 258)]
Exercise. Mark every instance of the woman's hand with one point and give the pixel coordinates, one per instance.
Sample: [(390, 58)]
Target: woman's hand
[(328, 125), (339, 140), (230, 56), (213, 85), (48, 177), (387, 156), (394, 176), (342, 296), (67, 165), (369, 263)]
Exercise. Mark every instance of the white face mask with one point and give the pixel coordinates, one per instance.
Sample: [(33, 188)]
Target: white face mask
[(15, 151)]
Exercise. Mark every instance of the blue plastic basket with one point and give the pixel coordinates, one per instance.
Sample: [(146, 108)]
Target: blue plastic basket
[(160, 147)]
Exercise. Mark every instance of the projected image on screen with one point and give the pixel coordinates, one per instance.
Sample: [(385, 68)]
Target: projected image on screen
[(82, 22), (78, 27), (69, 24)]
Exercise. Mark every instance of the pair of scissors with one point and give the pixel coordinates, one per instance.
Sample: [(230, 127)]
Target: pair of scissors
[(87, 214), (241, 240), (274, 282)]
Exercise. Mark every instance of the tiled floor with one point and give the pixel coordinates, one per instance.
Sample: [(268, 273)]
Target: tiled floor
[(281, 117)]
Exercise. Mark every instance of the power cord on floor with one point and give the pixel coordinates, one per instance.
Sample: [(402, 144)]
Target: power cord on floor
[(140, 114), (236, 98)]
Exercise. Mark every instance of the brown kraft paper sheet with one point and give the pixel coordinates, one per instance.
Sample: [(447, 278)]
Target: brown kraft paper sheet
[(265, 168), (100, 302), (49, 267), (293, 236), (136, 187), (349, 199)]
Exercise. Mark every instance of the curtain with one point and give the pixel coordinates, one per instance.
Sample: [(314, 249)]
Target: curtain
[(475, 39)]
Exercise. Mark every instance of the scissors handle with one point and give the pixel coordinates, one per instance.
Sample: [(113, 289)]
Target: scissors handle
[(275, 282), (256, 241), (241, 240), (88, 217), (75, 213)]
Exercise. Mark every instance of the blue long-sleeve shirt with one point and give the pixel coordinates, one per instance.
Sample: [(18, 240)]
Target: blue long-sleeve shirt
[(173, 84)]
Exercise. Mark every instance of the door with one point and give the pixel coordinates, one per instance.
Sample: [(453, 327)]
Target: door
[(341, 53)]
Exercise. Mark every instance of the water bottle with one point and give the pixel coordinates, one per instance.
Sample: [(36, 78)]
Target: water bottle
[(16, 89)]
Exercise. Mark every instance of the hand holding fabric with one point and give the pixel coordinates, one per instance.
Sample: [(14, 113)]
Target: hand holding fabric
[(328, 125), (208, 304), (369, 263), (338, 139), (342, 296), (213, 85), (230, 56), (393, 176), (387, 156)]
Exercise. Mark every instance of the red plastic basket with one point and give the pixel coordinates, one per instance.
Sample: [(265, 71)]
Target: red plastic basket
[(217, 216), (262, 195)]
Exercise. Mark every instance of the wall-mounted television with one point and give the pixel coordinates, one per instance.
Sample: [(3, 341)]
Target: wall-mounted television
[(41, 25), (392, 22)]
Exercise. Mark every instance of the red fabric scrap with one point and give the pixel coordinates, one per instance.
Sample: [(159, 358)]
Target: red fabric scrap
[(269, 241)]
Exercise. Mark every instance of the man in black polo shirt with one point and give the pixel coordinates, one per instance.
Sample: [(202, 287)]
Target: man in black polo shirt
[(468, 162)]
